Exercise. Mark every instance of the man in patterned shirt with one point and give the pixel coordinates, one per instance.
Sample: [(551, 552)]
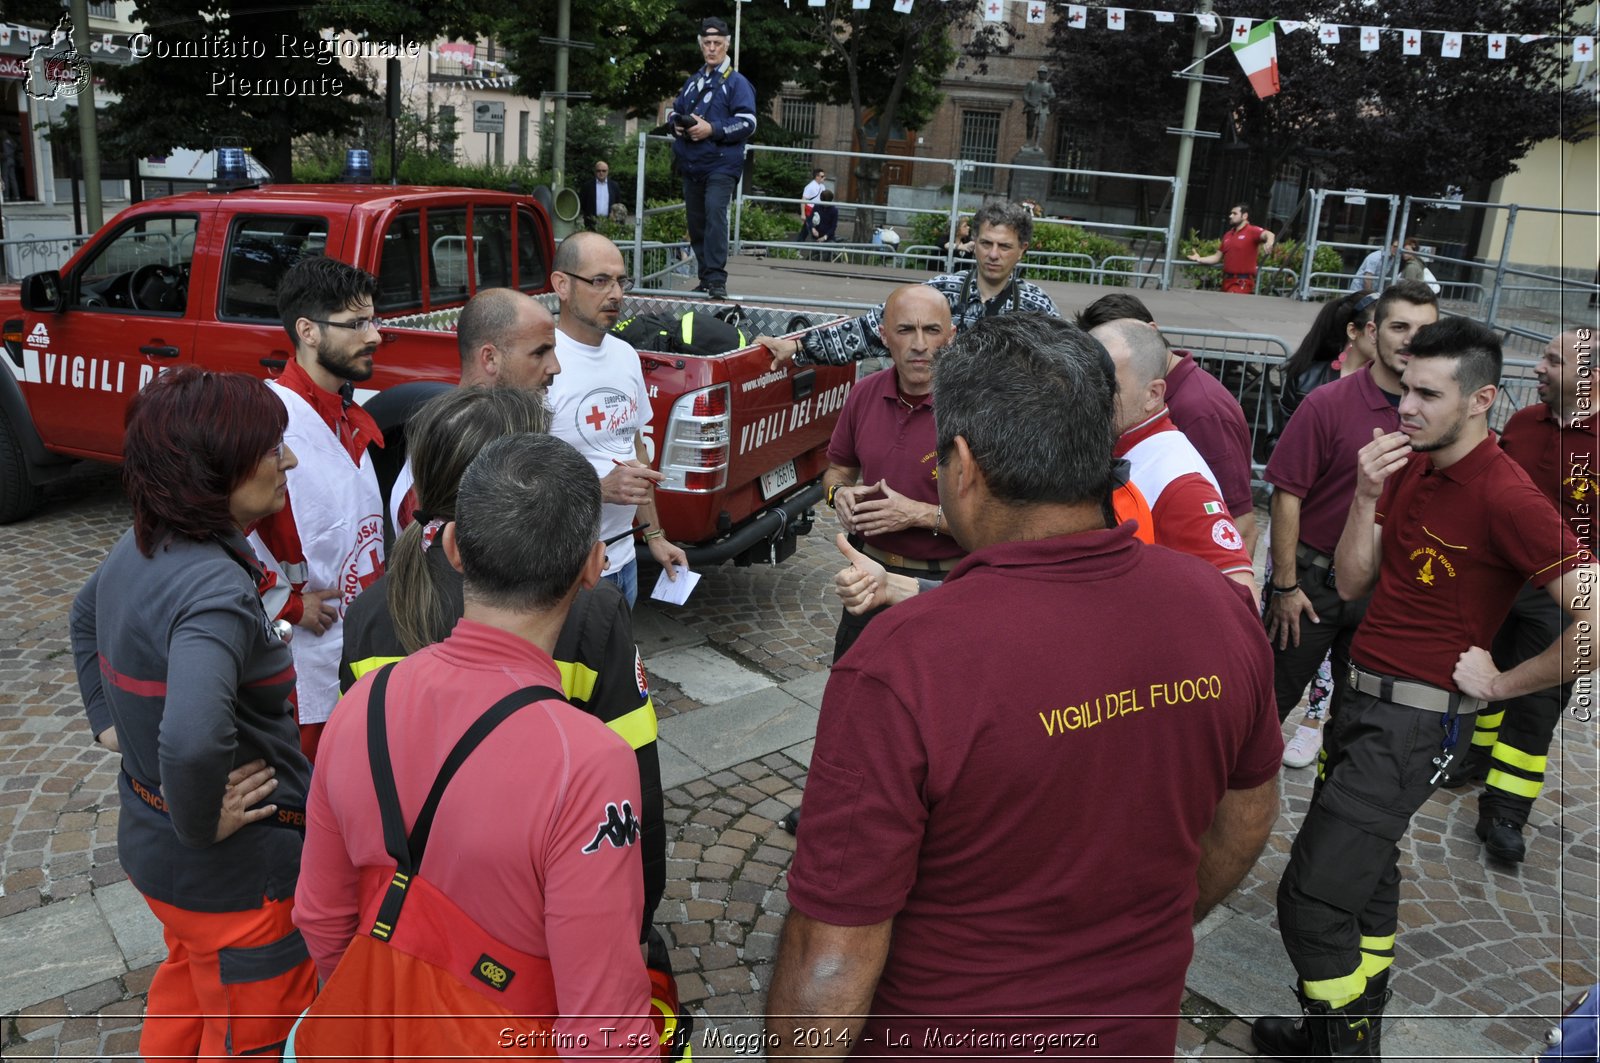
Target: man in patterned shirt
[(990, 287)]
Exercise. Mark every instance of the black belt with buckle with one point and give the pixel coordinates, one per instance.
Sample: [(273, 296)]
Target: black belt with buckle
[(1413, 694), (916, 564), (1316, 560)]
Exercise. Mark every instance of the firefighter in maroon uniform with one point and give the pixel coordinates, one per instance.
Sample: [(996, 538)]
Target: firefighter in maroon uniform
[(1444, 529), (1556, 440)]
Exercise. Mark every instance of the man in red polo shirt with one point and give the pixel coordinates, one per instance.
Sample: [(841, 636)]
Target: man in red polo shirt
[(1313, 475), (1201, 407), (1036, 840), (1242, 246), (328, 541), (881, 476), (1444, 528), (1186, 507), (1557, 441)]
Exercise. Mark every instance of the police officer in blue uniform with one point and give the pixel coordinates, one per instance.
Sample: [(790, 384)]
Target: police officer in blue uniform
[(712, 117)]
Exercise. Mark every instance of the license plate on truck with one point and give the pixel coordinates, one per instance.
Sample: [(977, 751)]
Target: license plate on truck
[(779, 480)]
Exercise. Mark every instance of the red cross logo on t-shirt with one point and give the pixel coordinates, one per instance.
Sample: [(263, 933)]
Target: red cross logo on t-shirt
[(596, 419), (1225, 535)]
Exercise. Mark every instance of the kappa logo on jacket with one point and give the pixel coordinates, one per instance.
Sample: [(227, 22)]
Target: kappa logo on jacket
[(619, 828)]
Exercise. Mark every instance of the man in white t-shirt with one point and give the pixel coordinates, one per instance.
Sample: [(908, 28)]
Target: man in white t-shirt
[(600, 405), (810, 198)]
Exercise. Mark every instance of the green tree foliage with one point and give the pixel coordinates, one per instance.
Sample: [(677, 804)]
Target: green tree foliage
[(1410, 125), (886, 67), (168, 102)]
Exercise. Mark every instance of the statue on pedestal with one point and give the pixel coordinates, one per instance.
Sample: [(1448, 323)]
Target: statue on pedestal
[(1037, 96)]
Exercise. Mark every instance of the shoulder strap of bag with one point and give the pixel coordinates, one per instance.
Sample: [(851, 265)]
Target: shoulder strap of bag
[(407, 851)]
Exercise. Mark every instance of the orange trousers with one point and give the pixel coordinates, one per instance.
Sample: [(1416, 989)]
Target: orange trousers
[(233, 983)]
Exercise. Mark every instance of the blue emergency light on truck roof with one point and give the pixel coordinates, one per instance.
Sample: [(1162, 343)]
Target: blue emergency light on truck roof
[(357, 166), (231, 166)]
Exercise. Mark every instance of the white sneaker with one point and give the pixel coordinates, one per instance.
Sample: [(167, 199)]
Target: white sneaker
[(1301, 752)]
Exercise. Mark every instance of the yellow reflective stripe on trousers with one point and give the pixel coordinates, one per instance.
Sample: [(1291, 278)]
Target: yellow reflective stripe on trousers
[(1516, 758), (1337, 992), (1377, 955), (370, 664), (1487, 729), (1514, 784)]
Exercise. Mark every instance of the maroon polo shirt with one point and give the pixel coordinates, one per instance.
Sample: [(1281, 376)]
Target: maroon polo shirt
[(1027, 808), (1315, 458), (1458, 543), (1564, 463), (1206, 412), (878, 434)]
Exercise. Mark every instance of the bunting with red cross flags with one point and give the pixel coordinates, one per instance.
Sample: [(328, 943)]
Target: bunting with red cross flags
[(1036, 11), (994, 10)]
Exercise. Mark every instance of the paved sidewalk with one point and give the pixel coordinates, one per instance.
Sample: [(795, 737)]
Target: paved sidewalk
[(738, 676)]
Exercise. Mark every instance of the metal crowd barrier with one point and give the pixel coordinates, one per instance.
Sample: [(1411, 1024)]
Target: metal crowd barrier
[(1247, 363)]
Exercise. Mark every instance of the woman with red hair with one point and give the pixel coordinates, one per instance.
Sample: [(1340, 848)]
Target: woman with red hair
[(183, 674)]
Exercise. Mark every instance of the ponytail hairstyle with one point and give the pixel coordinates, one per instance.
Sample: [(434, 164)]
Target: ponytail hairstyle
[(442, 439)]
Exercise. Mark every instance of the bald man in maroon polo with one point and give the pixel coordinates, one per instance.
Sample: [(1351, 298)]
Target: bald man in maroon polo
[(882, 477)]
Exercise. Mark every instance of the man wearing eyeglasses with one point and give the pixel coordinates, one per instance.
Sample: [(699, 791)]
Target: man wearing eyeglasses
[(714, 114), (600, 405), (328, 540)]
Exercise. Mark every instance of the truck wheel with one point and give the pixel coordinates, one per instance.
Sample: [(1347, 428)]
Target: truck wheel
[(19, 496)]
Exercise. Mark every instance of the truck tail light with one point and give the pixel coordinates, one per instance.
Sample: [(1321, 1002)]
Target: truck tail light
[(694, 449)]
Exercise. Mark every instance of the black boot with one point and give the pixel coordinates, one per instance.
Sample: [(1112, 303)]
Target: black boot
[(1502, 838), (1349, 1032)]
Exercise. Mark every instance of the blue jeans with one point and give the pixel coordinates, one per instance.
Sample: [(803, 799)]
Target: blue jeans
[(705, 200), (626, 579)]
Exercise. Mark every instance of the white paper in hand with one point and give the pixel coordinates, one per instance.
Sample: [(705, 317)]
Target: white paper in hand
[(675, 592)]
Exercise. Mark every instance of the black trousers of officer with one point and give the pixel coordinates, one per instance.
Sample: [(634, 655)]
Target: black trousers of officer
[(1294, 666), (1339, 898), (1518, 742)]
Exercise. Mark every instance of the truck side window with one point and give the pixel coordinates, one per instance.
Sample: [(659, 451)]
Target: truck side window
[(491, 232), (144, 268), (260, 251), (533, 273), (447, 255), (399, 267)]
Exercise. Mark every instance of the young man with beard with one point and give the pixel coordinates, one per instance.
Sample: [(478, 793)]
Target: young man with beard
[(1444, 529), (328, 541), (1240, 251), (1313, 475), (600, 405)]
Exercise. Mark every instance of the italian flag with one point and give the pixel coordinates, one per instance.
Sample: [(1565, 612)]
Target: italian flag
[(1258, 55)]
